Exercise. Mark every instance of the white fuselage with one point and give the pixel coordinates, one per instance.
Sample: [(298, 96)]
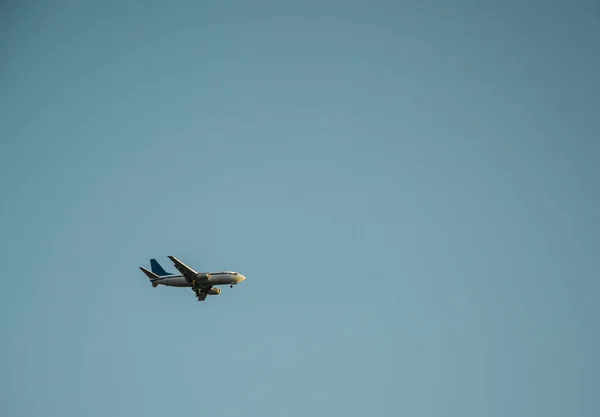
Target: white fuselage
[(216, 278)]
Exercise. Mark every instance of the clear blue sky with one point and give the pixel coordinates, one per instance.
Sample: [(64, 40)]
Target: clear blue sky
[(410, 187)]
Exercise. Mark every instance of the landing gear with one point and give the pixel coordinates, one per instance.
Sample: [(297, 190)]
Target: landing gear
[(230, 285)]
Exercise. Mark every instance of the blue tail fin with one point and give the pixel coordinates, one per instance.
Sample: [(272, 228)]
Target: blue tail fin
[(157, 269)]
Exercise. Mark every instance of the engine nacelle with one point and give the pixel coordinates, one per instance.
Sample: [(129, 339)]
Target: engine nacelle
[(214, 291), (202, 276)]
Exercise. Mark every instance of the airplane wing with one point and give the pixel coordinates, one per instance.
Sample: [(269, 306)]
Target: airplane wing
[(201, 293), (187, 272)]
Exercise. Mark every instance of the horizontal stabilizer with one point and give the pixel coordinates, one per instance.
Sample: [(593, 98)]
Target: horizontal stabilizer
[(151, 276)]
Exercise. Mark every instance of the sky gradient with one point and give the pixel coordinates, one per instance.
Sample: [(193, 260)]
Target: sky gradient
[(410, 188)]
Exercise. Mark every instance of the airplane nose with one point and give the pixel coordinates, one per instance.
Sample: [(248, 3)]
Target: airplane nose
[(242, 278)]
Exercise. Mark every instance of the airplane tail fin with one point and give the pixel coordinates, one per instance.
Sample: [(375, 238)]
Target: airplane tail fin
[(151, 276), (157, 269)]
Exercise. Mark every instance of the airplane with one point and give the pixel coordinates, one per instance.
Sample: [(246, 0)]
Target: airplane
[(202, 283)]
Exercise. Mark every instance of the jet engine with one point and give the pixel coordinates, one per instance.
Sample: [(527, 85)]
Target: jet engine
[(214, 291), (202, 276)]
